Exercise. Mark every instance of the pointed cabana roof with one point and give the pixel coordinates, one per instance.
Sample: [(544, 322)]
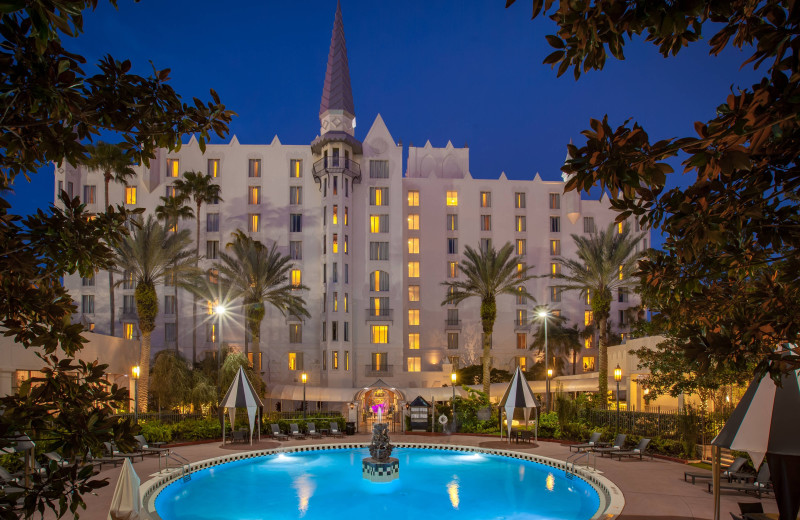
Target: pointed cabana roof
[(241, 394), (336, 92), (518, 395)]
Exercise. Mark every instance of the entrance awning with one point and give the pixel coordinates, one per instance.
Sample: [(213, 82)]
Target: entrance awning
[(313, 393)]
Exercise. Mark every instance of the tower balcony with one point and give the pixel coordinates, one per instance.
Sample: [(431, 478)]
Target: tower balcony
[(333, 165)]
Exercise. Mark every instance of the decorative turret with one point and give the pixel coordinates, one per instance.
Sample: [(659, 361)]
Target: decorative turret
[(336, 110)]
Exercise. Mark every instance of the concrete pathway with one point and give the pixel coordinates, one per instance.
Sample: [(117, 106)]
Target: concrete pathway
[(652, 489)]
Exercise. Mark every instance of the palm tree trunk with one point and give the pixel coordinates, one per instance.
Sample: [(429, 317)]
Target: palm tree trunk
[(487, 361), (256, 350), (112, 314), (144, 371), (194, 297), (574, 360), (177, 317), (602, 364)]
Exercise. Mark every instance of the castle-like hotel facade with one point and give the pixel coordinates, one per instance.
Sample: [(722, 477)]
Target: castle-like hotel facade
[(371, 242)]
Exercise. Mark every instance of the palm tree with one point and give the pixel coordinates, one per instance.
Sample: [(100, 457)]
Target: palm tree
[(171, 211), (561, 340), (258, 275), (150, 254), (117, 166), (489, 273), (199, 188), (606, 263)]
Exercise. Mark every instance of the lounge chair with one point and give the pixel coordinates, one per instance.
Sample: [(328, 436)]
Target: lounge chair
[(312, 431), (593, 441), (57, 458), (750, 507), (763, 484), (149, 450), (295, 433), (7, 477), (619, 442), (335, 431), (638, 451), (727, 473), (277, 434), (113, 452)]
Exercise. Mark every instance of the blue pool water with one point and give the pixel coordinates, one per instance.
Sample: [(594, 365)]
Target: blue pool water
[(327, 485)]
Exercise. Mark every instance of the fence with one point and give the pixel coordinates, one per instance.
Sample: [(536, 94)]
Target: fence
[(171, 417), (675, 424)]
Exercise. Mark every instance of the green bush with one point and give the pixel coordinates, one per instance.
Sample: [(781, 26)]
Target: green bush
[(548, 426), (155, 431), (197, 429)]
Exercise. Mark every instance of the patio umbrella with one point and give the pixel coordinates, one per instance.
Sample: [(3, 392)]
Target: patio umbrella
[(518, 395), (766, 422), (241, 394), (125, 503)]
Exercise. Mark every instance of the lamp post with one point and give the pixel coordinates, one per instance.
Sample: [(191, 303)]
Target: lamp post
[(544, 315), (135, 375), (453, 381), (219, 310), (304, 378), (617, 378)]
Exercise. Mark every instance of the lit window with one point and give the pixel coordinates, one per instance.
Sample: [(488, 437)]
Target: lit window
[(413, 316), (345, 244), (413, 341), (519, 200), (486, 222), (486, 199), (253, 222), (620, 227), (335, 301), (555, 201), (345, 216), (620, 273), (173, 167), (587, 342), (414, 364), (297, 278), (413, 246), (452, 198), (254, 168), (345, 305), (413, 222), (379, 281), (413, 293), (521, 246), (521, 298), (413, 198), (379, 196), (379, 223), (520, 224), (255, 195), (555, 247), (588, 364), (413, 269), (452, 222), (520, 270), (130, 194), (128, 331), (452, 269), (380, 334), (335, 359), (210, 305), (522, 341), (555, 224), (295, 333), (555, 269), (335, 244), (588, 318), (452, 340), (346, 357), (295, 195), (296, 168), (522, 317), (335, 215), (213, 167), (90, 194), (555, 294), (294, 360)]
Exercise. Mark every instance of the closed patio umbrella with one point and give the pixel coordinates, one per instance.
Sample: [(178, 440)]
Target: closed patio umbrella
[(518, 395), (125, 503), (241, 394)]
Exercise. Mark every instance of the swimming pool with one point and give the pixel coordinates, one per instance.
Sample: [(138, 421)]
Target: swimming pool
[(325, 484)]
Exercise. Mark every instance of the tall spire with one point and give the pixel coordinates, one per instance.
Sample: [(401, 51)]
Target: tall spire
[(336, 93)]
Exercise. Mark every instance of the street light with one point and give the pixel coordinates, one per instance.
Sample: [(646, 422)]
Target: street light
[(453, 381), (544, 315), (304, 378), (618, 378), (135, 375)]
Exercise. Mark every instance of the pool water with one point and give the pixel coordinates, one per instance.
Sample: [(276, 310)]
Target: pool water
[(327, 485)]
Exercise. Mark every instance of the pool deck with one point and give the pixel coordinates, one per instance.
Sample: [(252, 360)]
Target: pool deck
[(652, 488)]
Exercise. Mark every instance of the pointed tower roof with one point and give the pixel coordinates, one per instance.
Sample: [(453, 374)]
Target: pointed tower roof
[(336, 93)]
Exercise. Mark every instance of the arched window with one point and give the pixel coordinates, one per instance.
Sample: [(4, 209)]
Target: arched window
[(379, 281)]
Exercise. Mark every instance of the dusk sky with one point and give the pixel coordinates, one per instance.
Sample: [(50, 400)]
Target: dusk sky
[(468, 71)]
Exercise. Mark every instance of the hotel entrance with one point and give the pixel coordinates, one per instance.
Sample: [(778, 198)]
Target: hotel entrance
[(380, 404)]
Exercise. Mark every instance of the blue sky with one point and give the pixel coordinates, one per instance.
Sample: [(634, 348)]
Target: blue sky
[(468, 71)]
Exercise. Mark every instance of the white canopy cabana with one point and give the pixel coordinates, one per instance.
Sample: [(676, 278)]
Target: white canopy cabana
[(241, 394), (518, 395), (125, 502)]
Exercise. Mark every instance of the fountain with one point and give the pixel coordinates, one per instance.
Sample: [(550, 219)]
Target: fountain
[(380, 466)]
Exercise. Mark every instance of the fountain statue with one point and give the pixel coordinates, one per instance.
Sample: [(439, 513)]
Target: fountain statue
[(380, 466)]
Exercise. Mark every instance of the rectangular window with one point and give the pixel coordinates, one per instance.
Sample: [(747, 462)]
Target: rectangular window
[(335, 360), (587, 342), (486, 222), (413, 246), (171, 191), (346, 221), (379, 196), (555, 201), (335, 301), (379, 361), (169, 332), (414, 364), (347, 360), (212, 249), (413, 317), (334, 331), (522, 341), (89, 281), (522, 246), (169, 304), (90, 194), (345, 244), (130, 194), (127, 331), (521, 298), (452, 198), (588, 225), (211, 332), (452, 269), (452, 246), (295, 223), (128, 283), (346, 298), (295, 361), (622, 320), (623, 295), (213, 167), (413, 269), (335, 185), (413, 198), (297, 278), (346, 273), (452, 222), (173, 168), (335, 272), (555, 224), (452, 340), (588, 318), (346, 187), (379, 169), (379, 223), (335, 215), (555, 294), (379, 250), (620, 227), (413, 341), (71, 190), (522, 362), (254, 195), (555, 269), (254, 168), (253, 222), (413, 222), (522, 317), (295, 195), (486, 199), (335, 243), (520, 224), (413, 293), (212, 222), (588, 364), (519, 200), (296, 168), (296, 250), (379, 281), (87, 304), (486, 244), (555, 247), (347, 331), (380, 334), (324, 215)]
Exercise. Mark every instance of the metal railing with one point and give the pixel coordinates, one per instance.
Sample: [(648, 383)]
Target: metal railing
[(379, 370), (522, 325), (164, 417), (382, 314), (452, 324), (337, 165), (669, 424)]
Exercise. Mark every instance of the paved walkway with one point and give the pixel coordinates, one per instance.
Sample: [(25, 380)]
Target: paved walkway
[(652, 489)]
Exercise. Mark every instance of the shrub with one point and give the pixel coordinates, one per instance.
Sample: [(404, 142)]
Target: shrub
[(155, 431)]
